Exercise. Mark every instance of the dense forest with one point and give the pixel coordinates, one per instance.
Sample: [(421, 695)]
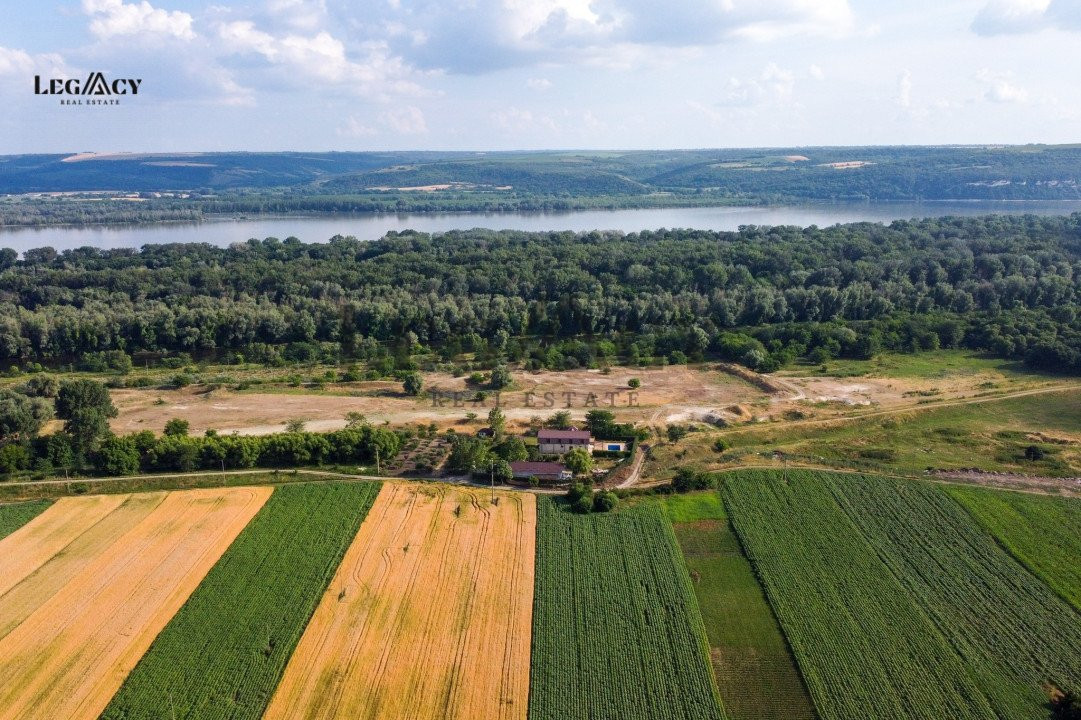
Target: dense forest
[(761, 296), (153, 188)]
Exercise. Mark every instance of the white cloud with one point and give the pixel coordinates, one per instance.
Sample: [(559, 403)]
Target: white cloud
[(111, 18), (508, 33), (323, 57), (21, 64), (1004, 17), (904, 89), (816, 72), (773, 85), (353, 127), (1000, 88), (407, 120), (300, 14), (538, 83)]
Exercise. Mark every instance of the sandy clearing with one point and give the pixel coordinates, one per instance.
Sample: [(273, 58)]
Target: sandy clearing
[(68, 658), (32, 545), (18, 601), (429, 615), (533, 394)]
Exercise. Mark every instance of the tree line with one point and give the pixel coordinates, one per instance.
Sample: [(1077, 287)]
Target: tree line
[(762, 295)]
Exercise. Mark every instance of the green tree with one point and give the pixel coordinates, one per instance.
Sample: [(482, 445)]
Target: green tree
[(634, 383), (354, 420), (14, 457), (177, 428), (605, 501), (497, 421), (559, 420), (117, 456), (501, 377), (296, 425), (21, 417), (511, 449), (578, 461), (85, 407), (412, 383)]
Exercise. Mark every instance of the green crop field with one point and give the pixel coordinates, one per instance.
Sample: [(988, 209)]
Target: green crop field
[(616, 629), (14, 515), (224, 652), (755, 671), (1042, 532), (865, 648), (1009, 627)]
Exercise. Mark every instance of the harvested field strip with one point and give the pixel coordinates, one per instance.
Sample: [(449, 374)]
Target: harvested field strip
[(31, 546), (67, 658), (616, 629), (427, 617), (14, 515), (864, 646), (224, 652), (17, 603), (1042, 532), (1009, 627), (755, 671)]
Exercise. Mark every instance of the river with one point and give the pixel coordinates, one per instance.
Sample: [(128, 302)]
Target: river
[(370, 227)]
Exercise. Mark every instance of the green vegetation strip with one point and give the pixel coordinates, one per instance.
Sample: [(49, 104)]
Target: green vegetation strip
[(223, 654), (1009, 627), (863, 645), (755, 671), (13, 516), (1044, 533), (616, 629)]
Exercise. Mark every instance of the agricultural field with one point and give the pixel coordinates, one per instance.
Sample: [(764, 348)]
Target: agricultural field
[(69, 654), (1044, 533), (755, 671), (223, 653), (865, 648), (428, 615), (1010, 628), (897, 603), (14, 515), (616, 628)]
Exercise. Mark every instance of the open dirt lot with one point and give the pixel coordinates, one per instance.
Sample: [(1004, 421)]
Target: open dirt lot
[(667, 391), (429, 615), (68, 656)]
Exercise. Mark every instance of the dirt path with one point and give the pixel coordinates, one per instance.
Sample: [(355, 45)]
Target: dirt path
[(636, 467), (429, 615)]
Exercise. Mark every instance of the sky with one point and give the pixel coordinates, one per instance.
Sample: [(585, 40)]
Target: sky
[(541, 74)]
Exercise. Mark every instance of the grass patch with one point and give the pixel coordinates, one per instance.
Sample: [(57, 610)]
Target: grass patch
[(1043, 532), (988, 435), (755, 672), (14, 515), (224, 652), (923, 365), (616, 629)]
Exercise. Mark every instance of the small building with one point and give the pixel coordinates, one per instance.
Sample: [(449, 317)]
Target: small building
[(610, 446), (543, 471), (559, 442)]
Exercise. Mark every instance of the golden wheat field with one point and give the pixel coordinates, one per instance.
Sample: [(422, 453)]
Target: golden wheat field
[(87, 586), (429, 615)]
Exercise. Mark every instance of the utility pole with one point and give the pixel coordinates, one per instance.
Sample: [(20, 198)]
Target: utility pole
[(377, 459), (491, 470)]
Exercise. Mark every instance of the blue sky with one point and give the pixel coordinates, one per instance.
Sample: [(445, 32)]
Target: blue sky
[(530, 74)]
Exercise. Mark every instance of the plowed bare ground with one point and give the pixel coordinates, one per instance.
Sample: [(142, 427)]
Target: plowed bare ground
[(429, 615), (68, 656)]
